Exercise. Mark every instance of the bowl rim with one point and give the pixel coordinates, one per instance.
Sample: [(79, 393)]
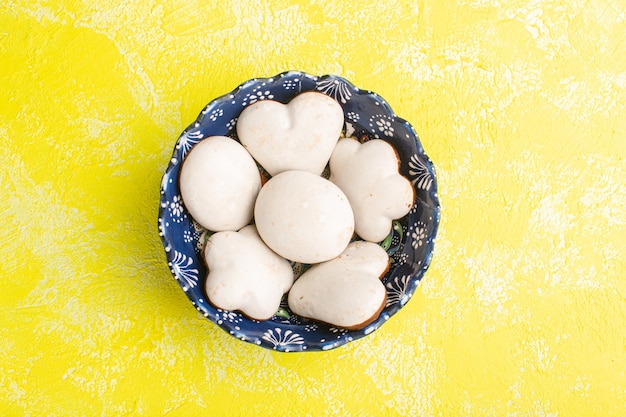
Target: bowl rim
[(283, 338)]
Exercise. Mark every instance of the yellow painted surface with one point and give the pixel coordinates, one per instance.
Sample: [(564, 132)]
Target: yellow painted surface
[(521, 104)]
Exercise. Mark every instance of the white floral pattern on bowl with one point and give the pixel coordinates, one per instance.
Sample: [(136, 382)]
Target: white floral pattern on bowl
[(410, 244)]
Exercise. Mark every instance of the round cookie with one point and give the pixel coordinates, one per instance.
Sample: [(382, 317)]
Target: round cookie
[(345, 291), (303, 217), (368, 174), (219, 182), (244, 274)]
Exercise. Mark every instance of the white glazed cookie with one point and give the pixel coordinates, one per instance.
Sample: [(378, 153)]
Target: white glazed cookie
[(244, 274), (300, 135), (345, 291), (219, 182), (303, 217), (368, 174)]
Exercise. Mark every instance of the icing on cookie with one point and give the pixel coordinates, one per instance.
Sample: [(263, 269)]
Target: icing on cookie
[(303, 217), (299, 135), (345, 291), (368, 174), (244, 274), (219, 183)]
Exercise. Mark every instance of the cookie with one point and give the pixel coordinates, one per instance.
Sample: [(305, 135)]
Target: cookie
[(303, 217), (219, 182), (346, 291), (299, 135), (369, 176), (244, 274)]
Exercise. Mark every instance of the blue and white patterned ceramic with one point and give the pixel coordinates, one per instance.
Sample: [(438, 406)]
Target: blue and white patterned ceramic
[(410, 244)]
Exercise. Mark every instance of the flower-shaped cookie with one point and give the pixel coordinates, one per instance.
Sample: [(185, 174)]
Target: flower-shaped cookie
[(244, 274), (368, 175)]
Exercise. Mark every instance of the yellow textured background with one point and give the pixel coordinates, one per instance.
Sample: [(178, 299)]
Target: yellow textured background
[(521, 105)]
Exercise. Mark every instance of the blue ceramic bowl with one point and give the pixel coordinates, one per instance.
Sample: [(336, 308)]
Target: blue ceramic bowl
[(410, 244)]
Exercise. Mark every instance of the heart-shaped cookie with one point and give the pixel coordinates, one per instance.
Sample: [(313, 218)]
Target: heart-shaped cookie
[(345, 291), (300, 135)]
